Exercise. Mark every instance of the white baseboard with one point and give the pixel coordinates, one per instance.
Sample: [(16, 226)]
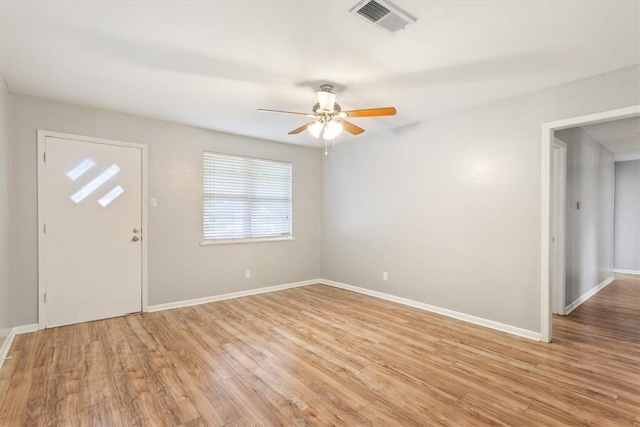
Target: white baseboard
[(525, 333), (4, 350), (621, 271), (204, 300), (25, 329), (6, 346), (568, 309)]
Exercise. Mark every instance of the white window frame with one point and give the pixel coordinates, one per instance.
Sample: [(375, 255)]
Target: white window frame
[(249, 239)]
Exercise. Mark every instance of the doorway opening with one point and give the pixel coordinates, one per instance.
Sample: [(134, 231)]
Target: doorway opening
[(552, 256)]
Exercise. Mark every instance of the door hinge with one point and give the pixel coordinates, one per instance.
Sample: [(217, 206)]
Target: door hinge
[(45, 229), (45, 298), (44, 156)]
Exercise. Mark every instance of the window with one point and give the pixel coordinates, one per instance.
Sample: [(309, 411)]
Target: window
[(245, 198)]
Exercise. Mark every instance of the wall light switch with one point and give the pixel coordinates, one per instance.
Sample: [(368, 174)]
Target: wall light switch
[(247, 274), (154, 202), (385, 275)]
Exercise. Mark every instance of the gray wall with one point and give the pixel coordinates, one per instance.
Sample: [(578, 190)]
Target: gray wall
[(627, 216), (589, 230), (179, 268), (5, 176), (450, 206)]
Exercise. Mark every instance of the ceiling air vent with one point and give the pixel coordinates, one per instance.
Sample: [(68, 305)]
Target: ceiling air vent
[(384, 14)]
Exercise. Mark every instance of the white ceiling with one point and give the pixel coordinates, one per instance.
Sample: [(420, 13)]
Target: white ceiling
[(621, 137), (213, 63)]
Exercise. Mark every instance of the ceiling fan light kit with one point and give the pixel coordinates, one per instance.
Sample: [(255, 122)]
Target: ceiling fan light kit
[(332, 129), (330, 119), (315, 129)]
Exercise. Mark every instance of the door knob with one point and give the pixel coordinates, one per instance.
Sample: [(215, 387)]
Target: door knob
[(135, 238), (136, 230)]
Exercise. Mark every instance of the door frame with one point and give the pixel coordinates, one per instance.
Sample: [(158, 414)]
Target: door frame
[(548, 130), (42, 248), (560, 261)]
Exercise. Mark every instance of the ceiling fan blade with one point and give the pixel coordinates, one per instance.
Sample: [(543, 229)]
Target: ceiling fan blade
[(372, 112), (351, 128), (301, 128), (286, 112)]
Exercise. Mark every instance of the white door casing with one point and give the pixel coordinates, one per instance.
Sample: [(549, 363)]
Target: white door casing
[(92, 254)]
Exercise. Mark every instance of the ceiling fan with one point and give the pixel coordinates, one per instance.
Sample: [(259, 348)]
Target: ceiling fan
[(328, 117)]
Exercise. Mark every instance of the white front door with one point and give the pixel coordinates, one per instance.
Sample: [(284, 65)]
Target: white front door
[(93, 230)]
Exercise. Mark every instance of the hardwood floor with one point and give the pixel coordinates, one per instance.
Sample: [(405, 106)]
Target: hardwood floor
[(322, 356)]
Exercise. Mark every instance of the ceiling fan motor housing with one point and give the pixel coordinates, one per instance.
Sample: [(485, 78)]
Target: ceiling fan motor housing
[(318, 110), (326, 97)]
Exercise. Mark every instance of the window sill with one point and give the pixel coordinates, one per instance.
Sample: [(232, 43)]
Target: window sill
[(236, 241)]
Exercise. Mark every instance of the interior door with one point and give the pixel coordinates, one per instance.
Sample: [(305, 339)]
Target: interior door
[(554, 223), (93, 218), (557, 227)]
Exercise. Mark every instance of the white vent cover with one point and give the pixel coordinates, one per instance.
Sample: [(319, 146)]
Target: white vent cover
[(384, 14)]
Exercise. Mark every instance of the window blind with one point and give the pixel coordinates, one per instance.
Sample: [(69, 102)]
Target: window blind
[(245, 198)]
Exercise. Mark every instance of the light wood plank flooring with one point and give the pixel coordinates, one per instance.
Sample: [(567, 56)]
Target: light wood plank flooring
[(323, 356)]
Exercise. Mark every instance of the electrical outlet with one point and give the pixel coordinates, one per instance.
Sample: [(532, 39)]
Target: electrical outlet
[(247, 274), (154, 202), (385, 276)]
